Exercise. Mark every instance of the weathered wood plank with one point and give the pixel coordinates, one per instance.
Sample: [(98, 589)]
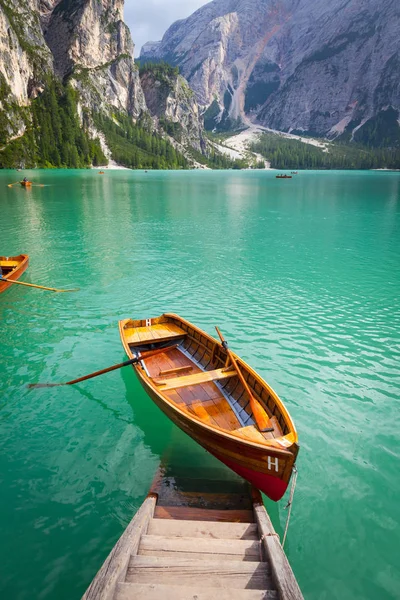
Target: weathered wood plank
[(199, 548), (144, 335), (159, 591), (203, 514), (115, 565), (283, 576), (203, 529), (213, 573)]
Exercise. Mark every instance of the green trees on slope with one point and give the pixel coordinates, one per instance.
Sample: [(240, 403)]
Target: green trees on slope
[(61, 140), (284, 153), (54, 136), (136, 146)]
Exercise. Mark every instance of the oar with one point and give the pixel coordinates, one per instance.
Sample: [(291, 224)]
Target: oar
[(11, 184), (132, 361), (40, 287), (260, 416)]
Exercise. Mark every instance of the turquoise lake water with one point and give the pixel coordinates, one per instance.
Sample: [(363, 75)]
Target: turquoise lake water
[(302, 276)]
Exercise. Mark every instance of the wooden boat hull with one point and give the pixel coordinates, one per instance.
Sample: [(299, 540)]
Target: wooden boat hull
[(267, 464), (26, 183), (13, 267)]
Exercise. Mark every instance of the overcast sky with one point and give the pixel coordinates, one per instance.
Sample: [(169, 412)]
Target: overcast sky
[(148, 20)]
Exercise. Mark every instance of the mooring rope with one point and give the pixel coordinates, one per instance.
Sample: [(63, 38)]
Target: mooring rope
[(289, 504)]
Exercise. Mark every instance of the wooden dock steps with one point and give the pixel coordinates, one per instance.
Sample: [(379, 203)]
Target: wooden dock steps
[(198, 548), (191, 543), (203, 529), (203, 514), (214, 573), (160, 591)]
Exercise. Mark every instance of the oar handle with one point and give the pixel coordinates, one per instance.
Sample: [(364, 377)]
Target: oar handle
[(131, 361), (221, 337), (102, 371), (39, 287)]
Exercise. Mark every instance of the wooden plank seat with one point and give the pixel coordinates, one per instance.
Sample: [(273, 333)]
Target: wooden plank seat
[(9, 263), (195, 379), (153, 333)]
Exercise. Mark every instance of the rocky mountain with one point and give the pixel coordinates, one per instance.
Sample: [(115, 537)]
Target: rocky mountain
[(170, 100), (84, 44), (322, 68)]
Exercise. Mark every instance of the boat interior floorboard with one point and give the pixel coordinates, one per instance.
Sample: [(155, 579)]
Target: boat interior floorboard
[(206, 400)]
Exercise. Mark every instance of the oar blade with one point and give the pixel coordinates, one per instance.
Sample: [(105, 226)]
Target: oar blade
[(43, 385), (261, 418)]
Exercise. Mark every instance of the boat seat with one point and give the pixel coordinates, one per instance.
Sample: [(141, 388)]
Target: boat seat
[(9, 263), (195, 379), (153, 334)]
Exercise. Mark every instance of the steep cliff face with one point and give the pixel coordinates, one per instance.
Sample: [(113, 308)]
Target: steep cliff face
[(169, 98), (91, 43), (341, 68), (24, 59), (305, 65)]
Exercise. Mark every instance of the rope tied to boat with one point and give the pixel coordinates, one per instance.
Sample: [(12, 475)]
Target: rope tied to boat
[(290, 502)]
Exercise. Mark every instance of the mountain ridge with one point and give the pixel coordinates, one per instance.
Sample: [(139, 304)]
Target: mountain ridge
[(291, 65)]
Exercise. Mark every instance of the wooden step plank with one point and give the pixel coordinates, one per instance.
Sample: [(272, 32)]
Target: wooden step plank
[(160, 591), (199, 548), (211, 573), (219, 501), (203, 514), (196, 379), (203, 529)]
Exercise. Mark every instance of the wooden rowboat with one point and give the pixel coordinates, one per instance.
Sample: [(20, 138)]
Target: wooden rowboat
[(26, 183), (12, 268), (194, 385), (283, 177)]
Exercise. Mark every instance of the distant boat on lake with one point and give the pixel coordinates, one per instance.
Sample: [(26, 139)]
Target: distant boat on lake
[(284, 177)]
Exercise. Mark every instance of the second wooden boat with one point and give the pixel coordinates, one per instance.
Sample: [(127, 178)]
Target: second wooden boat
[(195, 385), (12, 268)]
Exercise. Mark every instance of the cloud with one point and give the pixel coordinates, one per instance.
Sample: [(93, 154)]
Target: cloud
[(148, 20)]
